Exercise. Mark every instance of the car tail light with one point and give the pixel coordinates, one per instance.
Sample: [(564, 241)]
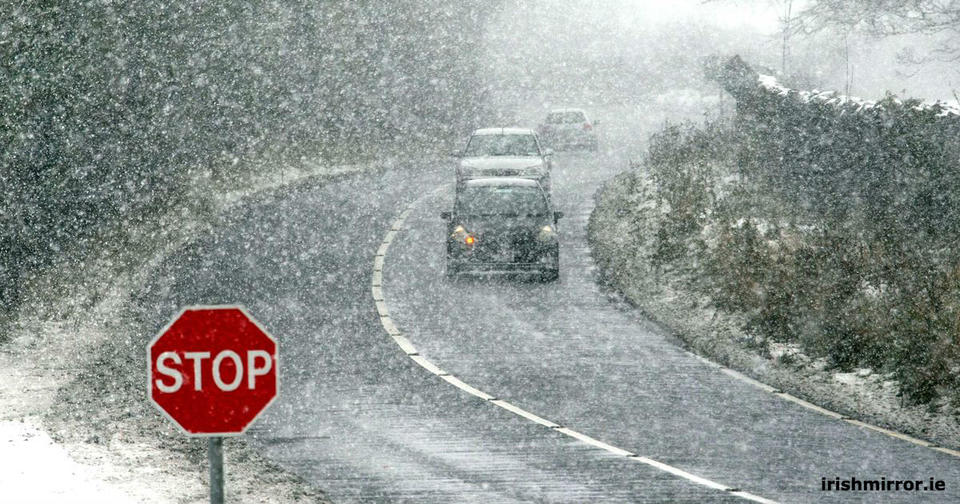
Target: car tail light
[(587, 126), (469, 240)]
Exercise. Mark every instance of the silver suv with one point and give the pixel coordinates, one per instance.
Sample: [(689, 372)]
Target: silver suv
[(504, 152)]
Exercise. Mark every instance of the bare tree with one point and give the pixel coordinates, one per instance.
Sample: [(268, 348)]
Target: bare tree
[(884, 18)]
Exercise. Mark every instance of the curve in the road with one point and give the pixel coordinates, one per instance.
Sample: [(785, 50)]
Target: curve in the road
[(407, 347)]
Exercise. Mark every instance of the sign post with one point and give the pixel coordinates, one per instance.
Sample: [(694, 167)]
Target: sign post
[(212, 371), (215, 457)]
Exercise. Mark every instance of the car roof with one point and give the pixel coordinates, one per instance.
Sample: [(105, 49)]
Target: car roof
[(503, 131), (501, 181), (568, 109)]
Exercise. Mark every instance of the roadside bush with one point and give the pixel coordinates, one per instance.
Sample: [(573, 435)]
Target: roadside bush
[(680, 161), (876, 188), (826, 222)]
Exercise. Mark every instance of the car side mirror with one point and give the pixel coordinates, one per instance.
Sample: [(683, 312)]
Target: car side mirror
[(456, 154), (548, 152), (446, 215), (557, 216)]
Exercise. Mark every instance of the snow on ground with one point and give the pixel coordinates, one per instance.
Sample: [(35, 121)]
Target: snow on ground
[(70, 316), (35, 469)]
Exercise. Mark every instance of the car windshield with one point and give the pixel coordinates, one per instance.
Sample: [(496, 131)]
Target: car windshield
[(566, 117), (501, 200), (502, 145)]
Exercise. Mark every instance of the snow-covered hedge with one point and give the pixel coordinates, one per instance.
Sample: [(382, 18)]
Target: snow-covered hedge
[(823, 221)]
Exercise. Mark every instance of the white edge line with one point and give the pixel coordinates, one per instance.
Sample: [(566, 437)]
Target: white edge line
[(796, 400), (405, 344), (889, 432), (460, 384), (751, 497), (823, 411), (948, 451), (742, 377), (524, 413), (429, 366), (390, 327), (599, 444), (681, 473), (425, 363)]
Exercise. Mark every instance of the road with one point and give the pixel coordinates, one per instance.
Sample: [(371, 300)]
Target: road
[(367, 424)]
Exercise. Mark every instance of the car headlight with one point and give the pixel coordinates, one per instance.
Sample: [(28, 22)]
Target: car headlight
[(461, 235), (546, 234)]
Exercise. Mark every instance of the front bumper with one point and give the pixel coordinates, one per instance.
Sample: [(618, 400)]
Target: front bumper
[(535, 258), (474, 266)]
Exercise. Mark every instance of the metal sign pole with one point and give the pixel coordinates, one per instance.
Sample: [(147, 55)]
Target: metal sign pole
[(215, 454)]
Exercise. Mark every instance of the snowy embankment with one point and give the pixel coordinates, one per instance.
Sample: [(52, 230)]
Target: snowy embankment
[(74, 421), (622, 235)]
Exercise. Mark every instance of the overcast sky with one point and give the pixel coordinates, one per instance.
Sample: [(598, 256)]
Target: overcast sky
[(760, 15)]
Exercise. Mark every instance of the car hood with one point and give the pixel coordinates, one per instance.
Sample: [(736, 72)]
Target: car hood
[(501, 162)]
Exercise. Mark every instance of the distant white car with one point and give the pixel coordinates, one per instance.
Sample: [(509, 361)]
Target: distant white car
[(568, 128), (504, 152)]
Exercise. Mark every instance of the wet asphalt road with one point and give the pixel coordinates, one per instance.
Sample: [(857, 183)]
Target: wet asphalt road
[(358, 418)]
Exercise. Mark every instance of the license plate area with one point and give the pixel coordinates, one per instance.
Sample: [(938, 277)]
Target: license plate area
[(498, 252)]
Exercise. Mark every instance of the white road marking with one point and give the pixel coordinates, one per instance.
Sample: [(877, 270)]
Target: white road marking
[(410, 350), (890, 433), (457, 382), (390, 326), (837, 416), (405, 344), (429, 366), (751, 381), (524, 413), (948, 451), (681, 473), (796, 400), (595, 442), (751, 497)]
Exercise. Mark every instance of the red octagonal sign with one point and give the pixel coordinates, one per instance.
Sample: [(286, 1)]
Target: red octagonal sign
[(212, 370)]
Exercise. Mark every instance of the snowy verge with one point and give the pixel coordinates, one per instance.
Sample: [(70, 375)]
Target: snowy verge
[(73, 412), (621, 234)]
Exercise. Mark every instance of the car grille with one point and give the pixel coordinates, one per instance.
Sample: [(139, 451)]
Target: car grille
[(510, 248)]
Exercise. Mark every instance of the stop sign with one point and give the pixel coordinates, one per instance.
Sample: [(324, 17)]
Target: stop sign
[(212, 370)]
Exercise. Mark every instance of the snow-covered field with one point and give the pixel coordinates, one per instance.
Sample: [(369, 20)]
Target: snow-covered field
[(61, 440)]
